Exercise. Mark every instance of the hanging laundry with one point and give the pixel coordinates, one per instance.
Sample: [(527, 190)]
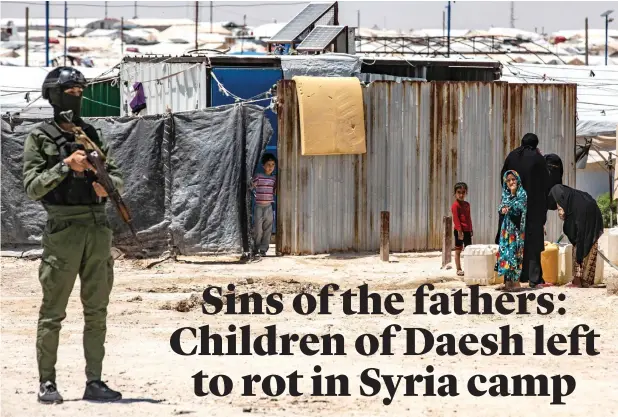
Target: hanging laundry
[(139, 101)]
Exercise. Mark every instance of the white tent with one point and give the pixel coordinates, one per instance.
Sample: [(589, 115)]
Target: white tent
[(21, 89), (268, 30)]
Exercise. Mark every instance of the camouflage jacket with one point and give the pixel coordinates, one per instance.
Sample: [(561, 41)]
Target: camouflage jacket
[(42, 168)]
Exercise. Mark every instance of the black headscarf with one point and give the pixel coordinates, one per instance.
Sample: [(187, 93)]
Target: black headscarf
[(529, 141), (532, 169), (556, 171), (583, 223)]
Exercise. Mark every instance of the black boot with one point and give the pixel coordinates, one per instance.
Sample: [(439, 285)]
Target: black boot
[(99, 391), (48, 393)]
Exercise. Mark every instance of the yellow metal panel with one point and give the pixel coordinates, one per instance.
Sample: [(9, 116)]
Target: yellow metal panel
[(331, 114)]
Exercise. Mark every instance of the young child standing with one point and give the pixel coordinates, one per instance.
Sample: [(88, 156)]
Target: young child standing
[(265, 188), (462, 223), (510, 255)]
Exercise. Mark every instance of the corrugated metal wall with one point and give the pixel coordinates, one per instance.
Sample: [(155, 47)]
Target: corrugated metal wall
[(422, 138), (101, 100), (180, 86)]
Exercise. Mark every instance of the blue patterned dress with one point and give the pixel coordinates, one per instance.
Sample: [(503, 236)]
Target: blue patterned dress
[(511, 247)]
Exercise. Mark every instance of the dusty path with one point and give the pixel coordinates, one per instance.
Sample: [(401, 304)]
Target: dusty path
[(157, 382)]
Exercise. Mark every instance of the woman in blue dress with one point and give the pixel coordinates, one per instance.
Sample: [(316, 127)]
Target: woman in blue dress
[(511, 245)]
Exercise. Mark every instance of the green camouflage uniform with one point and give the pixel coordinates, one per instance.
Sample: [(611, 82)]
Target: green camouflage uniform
[(76, 240)]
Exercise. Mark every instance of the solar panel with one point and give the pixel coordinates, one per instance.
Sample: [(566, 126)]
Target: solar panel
[(301, 22), (320, 38)]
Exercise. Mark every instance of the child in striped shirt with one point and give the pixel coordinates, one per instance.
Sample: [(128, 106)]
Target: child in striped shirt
[(265, 188)]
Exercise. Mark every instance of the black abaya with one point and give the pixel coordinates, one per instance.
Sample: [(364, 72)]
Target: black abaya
[(556, 170), (532, 169), (583, 223)]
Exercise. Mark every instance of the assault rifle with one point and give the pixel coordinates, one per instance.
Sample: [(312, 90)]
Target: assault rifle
[(96, 157)]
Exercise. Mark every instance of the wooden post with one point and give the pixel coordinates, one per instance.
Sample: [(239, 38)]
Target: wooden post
[(384, 235), (447, 241)]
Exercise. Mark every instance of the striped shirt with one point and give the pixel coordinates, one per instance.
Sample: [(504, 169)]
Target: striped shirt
[(264, 188)]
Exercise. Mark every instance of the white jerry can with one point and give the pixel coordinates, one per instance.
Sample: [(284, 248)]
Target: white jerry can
[(478, 264)]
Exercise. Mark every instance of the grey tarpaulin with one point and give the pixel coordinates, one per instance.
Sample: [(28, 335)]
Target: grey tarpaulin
[(186, 179), (599, 127), (326, 65), (22, 219), (212, 163), (136, 145)]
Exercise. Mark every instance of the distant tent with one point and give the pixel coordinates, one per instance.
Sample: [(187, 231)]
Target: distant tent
[(247, 53)]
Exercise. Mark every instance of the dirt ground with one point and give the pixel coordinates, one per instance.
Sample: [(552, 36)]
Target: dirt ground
[(155, 381)]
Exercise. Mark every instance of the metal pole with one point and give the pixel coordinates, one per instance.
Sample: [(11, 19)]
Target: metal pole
[(586, 41), (606, 14), (134, 10), (358, 22), (448, 36), (105, 10), (65, 32), (606, 30), (47, 33), (27, 30), (211, 17), (197, 13), (122, 37), (443, 23)]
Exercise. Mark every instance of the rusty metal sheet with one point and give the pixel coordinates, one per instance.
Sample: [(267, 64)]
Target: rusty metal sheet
[(549, 110), (422, 138)]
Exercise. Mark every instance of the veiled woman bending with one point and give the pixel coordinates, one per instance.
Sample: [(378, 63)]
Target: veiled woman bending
[(583, 225)]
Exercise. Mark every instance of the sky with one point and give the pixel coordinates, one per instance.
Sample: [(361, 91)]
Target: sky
[(405, 15)]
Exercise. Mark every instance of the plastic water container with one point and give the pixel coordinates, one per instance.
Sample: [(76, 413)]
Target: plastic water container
[(550, 263), (612, 243), (479, 262), (565, 261)]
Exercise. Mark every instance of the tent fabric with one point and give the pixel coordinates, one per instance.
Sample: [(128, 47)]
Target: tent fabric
[(325, 65), (17, 82), (597, 127), (186, 176), (597, 95)]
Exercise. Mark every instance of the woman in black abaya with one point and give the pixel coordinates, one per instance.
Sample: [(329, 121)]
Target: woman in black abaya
[(532, 168), (583, 225), (556, 171)]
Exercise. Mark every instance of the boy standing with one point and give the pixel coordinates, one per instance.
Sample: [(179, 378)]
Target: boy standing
[(265, 187), (462, 222)]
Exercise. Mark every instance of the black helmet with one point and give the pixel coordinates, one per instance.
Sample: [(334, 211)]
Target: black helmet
[(62, 78)]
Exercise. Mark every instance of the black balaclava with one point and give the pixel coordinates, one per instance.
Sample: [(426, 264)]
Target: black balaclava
[(62, 101), (53, 89)]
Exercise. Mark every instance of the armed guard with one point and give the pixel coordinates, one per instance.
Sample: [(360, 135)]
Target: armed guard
[(77, 237)]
